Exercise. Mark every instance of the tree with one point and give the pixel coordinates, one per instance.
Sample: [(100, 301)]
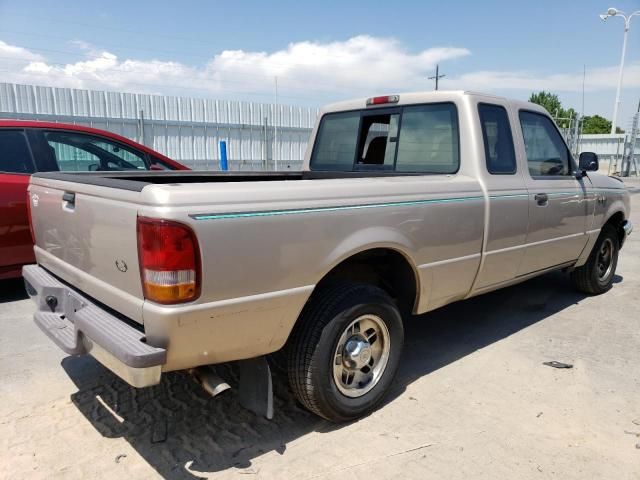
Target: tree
[(548, 100), (596, 124), (552, 103)]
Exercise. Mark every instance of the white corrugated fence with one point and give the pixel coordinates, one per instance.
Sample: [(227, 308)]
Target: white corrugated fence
[(186, 129), (189, 129)]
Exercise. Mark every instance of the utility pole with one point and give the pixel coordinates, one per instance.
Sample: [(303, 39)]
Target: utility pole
[(437, 76)]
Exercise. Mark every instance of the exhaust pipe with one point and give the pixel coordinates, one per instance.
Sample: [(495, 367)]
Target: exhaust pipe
[(209, 380)]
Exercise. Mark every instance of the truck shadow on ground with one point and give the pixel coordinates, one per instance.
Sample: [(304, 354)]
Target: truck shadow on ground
[(183, 433), (12, 290)]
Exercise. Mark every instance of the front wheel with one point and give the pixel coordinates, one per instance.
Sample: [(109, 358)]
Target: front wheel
[(345, 350), (596, 275)]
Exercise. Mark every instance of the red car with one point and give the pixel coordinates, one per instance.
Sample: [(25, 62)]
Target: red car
[(30, 146)]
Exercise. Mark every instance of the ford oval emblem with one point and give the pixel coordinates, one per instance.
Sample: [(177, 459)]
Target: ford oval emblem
[(121, 265)]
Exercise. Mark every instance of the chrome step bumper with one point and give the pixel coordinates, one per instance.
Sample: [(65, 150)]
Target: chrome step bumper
[(79, 326)]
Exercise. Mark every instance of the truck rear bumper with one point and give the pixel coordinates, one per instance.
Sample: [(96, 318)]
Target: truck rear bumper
[(79, 326)]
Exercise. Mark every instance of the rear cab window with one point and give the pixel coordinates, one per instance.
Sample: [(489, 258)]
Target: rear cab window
[(405, 139), (15, 155)]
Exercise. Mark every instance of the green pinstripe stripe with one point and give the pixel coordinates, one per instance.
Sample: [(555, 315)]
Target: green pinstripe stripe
[(297, 211), (269, 213)]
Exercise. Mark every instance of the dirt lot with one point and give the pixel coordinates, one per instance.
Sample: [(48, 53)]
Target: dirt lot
[(472, 400)]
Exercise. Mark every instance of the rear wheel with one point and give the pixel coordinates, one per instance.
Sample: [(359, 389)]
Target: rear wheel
[(596, 275), (345, 350)]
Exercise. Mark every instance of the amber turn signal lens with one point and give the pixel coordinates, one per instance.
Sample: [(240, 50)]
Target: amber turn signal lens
[(169, 261)]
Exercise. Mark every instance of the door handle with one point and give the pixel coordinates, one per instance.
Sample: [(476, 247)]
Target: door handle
[(541, 199), (70, 199)]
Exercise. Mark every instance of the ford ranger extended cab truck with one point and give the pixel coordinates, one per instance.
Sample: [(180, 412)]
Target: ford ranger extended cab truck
[(406, 203)]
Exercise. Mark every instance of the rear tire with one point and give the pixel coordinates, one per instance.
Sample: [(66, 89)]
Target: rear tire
[(596, 275), (345, 350)]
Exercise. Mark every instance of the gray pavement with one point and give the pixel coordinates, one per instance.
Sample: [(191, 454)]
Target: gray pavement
[(472, 400)]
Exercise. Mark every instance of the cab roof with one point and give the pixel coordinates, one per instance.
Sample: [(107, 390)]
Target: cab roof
[(409, 98)]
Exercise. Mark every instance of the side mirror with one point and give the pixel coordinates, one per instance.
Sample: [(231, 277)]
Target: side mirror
[(588, 162)]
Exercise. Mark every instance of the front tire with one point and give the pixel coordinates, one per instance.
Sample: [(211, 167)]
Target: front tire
[(596, 275), (345, 350)]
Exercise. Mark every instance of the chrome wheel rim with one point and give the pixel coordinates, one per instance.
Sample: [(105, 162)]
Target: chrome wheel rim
[(604, 260), (361, 355)]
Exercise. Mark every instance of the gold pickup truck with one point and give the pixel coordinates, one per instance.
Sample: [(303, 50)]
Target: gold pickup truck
[(406, 203)]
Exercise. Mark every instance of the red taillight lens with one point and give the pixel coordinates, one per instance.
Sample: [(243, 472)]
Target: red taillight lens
[(169, 261)]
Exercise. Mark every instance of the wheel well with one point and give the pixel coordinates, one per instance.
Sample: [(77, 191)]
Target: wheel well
[(616, 220), (383, 267)]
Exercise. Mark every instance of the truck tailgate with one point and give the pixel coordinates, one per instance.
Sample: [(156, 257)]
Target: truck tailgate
[(86, 235)]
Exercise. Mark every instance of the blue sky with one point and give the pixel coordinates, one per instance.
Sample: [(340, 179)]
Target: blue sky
[(323, 51)]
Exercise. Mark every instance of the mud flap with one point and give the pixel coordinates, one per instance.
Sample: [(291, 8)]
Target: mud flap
[(255, 390)]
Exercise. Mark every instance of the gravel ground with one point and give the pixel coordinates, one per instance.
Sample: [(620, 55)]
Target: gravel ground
[(472, 400)]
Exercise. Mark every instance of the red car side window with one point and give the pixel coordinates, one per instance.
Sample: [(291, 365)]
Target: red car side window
[(15, 156)]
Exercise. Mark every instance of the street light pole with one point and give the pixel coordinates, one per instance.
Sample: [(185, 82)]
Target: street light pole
[(614, 12)]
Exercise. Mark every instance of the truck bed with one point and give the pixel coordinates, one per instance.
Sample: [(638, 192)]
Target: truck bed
[(136, 181)]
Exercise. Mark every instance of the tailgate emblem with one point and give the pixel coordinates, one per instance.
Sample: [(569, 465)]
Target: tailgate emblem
[(35, 199), (121, 265)]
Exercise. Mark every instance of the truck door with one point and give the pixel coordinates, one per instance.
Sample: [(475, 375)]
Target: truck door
[(557, 199), (508, 204)]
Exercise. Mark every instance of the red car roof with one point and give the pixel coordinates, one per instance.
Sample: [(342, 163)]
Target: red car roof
[(80, 128)]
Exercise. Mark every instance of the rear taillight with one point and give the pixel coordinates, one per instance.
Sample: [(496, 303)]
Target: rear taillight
[(29, 216), (169, 261)]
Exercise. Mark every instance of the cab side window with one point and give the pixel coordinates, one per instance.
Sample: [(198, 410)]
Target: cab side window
[(78, 152), (547, 154), (498, 141), (15, 156)]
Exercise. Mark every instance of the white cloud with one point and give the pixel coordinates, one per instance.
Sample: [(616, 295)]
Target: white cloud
[(308, 72), (361, 64), (602, 78), (356, 66), (12, 53)]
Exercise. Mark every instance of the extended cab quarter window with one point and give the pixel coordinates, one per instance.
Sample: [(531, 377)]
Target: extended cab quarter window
[(547, 154), (498, 141), (15, 156)]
